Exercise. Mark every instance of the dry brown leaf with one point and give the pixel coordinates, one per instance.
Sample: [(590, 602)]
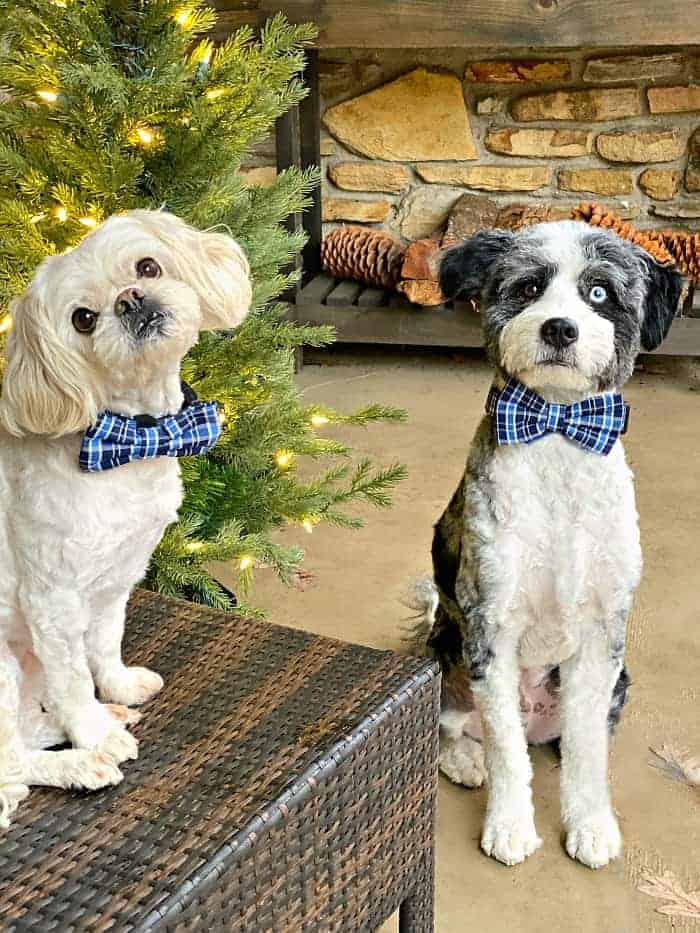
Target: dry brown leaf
[(303, 579), (667, 887), (678, 763)]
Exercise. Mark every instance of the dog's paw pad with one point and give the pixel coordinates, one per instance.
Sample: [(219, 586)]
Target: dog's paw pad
[(129, 717), (11, 795), (462, 763), (131, 686), (119, 745), (595, 840), (510, 840)]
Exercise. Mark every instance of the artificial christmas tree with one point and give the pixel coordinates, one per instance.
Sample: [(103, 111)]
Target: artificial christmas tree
[(111, 105)]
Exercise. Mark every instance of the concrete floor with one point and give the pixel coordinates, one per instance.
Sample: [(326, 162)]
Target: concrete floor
[(361, 578)]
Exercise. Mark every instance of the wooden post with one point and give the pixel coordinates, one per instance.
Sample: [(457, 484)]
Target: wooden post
[(287, 141), (310, 150), (298, 140)]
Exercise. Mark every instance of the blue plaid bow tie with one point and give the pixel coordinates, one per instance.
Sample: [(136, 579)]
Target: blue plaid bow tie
[(521, 416), (118, 439)]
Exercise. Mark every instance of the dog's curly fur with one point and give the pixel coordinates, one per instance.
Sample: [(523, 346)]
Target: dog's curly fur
[(537, 556), (73, 544)]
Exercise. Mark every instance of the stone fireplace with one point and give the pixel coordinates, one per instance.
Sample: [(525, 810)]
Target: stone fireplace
[(407, 132), (520, 134)]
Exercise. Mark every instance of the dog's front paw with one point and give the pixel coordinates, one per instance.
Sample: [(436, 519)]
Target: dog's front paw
[(120, 745), (85, 770), (11, 795), (594, 840), (509, 837), (129, 717), (130, 686), (96, 729)]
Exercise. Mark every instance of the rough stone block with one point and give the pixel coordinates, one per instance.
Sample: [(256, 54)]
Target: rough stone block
[(368, 176), (425, 210), (487, 177), (606, 181), (660, 184), (419, 116), (517, 72), (358, 211), (584, 106), (633, 67), (673, 99), (657, 145), (539, 143)]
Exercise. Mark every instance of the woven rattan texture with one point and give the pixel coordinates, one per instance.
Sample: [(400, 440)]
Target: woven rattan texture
[(285, 782)]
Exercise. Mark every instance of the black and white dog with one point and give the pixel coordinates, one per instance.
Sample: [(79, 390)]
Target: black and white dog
[(537, 556)]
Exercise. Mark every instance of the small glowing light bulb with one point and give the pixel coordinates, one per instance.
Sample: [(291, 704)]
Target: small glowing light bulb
[(284, 458), (319, 420), (89, 222), (47, 95), (245, 563), (308, 525), (144, 135), (61, 214), (5, 324), (194, 546), (215, 92), (182, 17)]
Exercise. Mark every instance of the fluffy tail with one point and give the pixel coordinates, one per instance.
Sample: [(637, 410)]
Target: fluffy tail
[(423, 600)]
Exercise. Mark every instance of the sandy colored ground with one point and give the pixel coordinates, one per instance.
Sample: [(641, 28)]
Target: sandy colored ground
[(362, 576)]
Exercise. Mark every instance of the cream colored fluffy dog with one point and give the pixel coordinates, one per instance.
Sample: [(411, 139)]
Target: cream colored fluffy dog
[(101, 328)]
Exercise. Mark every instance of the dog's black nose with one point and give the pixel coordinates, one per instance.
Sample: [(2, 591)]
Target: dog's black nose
[(128, 301), (560, 332)]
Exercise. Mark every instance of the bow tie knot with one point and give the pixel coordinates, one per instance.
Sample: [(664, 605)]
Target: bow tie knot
[(521, 416), (556, 417)]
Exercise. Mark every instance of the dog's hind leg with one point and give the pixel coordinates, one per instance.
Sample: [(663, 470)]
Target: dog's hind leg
[(13, 784), (461, 756)]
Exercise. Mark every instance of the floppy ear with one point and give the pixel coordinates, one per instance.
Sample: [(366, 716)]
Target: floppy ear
[(464, 268), (211, 263), (664, 289), (46, 387)]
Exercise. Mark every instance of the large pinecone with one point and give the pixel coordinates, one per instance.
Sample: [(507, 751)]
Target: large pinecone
[(364, 255), (685, 248), (653, 241)]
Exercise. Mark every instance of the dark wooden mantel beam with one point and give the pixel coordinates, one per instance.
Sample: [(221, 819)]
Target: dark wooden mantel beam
[(512, 24)]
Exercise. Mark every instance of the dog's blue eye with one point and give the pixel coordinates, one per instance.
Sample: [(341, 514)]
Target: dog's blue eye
[(598, 294)]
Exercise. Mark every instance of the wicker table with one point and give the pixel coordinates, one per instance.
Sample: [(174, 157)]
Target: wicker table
[(285, 783)]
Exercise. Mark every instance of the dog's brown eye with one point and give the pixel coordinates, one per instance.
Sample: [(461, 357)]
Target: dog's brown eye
[(147, 268), (531, 290), (84, 320)]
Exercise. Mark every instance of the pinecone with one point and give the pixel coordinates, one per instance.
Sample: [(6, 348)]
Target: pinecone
[(365, 255), (653, 241), (685, 248)]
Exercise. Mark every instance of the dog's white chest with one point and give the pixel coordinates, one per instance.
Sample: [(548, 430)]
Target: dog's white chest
[(565, 545), (99, 529)]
